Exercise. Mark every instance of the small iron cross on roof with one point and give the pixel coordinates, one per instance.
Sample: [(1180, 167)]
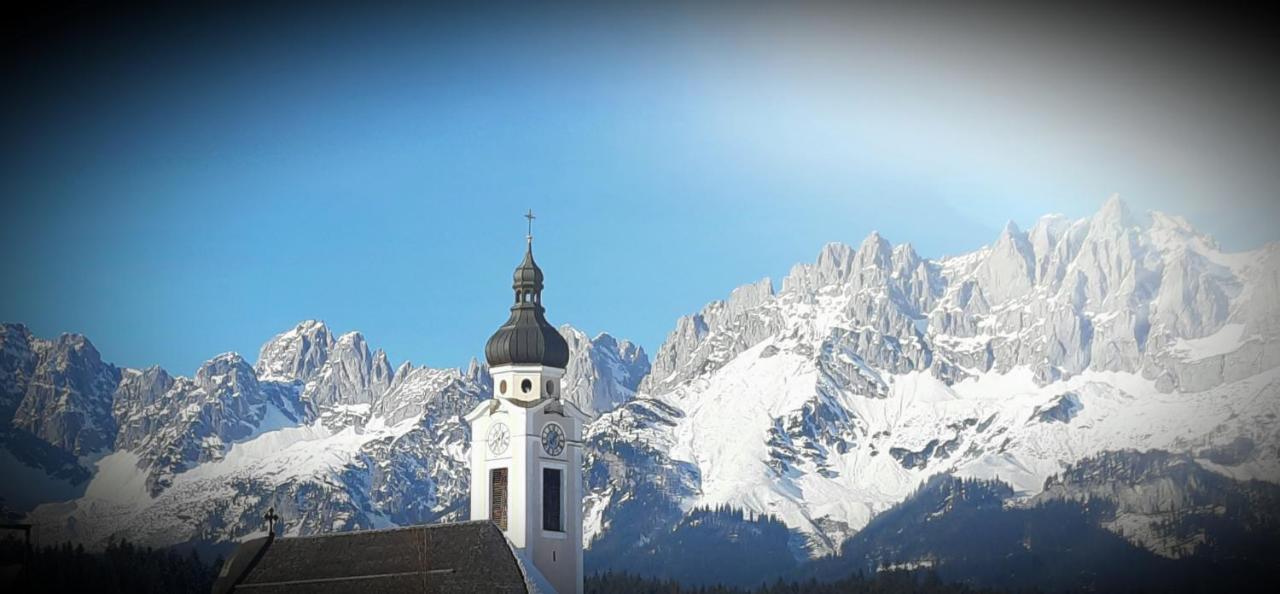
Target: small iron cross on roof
[(271, 519), (529, 215)]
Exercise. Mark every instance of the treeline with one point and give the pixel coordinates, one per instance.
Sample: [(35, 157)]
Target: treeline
[(889, 582), (711, 545), (728, 513), (121, 567)]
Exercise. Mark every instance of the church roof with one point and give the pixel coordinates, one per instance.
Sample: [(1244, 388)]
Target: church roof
[(527, 337), (460, 557)]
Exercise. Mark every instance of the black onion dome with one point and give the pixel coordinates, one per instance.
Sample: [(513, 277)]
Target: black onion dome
[(527, 338)]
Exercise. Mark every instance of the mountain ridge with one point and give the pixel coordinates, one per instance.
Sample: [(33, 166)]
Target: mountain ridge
[(314, 411), (872, 368), (819, 405)]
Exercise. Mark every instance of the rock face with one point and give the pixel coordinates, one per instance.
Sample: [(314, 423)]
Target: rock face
[(297, 354), (350, 375), (17, 364), (66, 390), (603, 372), (706, 340)]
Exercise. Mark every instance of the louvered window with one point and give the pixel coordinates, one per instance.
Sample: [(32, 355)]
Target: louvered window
[(498, 497)]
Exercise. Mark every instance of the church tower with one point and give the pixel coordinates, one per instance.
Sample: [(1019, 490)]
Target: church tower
[(526, 443)]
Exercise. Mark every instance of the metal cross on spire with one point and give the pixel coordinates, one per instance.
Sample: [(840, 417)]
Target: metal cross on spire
[(271, 518), (529, 215)]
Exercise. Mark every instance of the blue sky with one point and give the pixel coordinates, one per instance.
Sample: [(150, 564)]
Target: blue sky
[(189, 190)]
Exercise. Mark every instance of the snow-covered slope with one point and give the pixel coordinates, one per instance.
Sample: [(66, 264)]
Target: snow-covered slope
[(320, 428), (873, 369), (821, 404)]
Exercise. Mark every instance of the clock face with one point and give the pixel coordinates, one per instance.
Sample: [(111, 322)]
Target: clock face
[(499, 438), (552, 439)]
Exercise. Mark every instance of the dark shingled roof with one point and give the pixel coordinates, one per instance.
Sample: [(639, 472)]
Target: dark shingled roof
[(461, 557), (527, 337)]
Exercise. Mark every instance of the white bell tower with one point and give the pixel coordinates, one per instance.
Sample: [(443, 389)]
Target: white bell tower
[(526, 443)]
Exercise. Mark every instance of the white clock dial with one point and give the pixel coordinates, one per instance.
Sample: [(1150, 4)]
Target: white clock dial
[(499, 438)]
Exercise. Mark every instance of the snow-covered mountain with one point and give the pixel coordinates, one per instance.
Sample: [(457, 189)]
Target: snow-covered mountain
[(818, 406), (319, 427), (873, 369)]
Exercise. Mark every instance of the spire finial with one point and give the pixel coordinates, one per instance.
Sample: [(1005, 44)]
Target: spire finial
[(529, 215)]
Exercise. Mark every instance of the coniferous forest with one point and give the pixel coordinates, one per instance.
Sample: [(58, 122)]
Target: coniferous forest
[(890, 582), (120, 568), (125, 568)]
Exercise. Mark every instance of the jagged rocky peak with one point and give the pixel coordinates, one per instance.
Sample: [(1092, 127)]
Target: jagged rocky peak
[(383, 374), (1175, 233), (630, 354), (418, 391), (1115, 214), (603, 372), (13, 338), (404, 370), (140, 391), (1008, 272), (376, 370), (350, 375), (904, 258), (748, 297), (140, 388), (874, 252), (1044, 237), (835, 258), (872, 263), (628, 351), (711, 337), (68, 396), (476, 370), (1048, 230), (833, 266), (297, 354), (228, 370)]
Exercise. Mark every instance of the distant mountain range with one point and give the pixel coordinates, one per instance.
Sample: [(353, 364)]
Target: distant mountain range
[(320, 427), (1119, 372)]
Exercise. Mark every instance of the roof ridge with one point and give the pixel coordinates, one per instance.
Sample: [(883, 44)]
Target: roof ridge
[(385, 530)]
